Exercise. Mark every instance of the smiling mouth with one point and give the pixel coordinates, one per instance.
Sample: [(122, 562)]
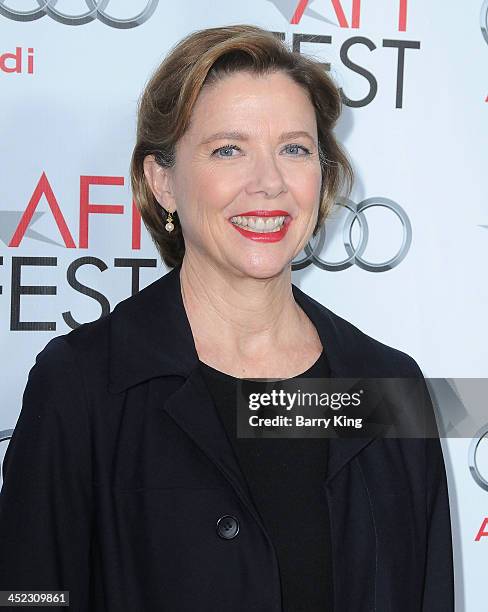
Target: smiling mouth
[(259, 224)]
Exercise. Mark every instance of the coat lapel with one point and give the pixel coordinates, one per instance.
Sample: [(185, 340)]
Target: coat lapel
[(344, 363), (192, 408)]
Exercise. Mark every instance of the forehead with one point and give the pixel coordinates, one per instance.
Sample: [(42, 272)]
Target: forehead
[(245, 99)]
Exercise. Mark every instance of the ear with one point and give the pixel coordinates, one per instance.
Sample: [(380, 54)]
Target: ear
[(160, 182)]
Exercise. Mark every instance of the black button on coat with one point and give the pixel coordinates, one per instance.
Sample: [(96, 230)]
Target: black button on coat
[(121, 487)]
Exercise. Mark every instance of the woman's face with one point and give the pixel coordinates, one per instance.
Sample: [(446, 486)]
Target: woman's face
[(251, 151)]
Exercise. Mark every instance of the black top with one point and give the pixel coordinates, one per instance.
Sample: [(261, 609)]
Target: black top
[(286, 478)]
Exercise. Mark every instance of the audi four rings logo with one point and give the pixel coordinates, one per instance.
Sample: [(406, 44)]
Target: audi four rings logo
[(484, 20), (95, 10), (355, 253), (473, 465)]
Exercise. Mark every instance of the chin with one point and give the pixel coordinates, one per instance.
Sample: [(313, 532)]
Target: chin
[(258, 266)]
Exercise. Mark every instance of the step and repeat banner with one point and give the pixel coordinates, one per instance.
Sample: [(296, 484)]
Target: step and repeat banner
[(404, 258)]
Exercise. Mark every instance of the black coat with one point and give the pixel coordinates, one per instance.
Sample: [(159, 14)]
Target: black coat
[(118, 470)]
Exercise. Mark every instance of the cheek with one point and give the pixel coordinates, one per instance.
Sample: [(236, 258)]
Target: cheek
[(213, 190), (202, 196), (307, 188)]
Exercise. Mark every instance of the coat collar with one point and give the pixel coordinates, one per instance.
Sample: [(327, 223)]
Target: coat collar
[(150, 336)]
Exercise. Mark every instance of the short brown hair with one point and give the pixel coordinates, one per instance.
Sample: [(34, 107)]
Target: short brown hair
[(168, 99)]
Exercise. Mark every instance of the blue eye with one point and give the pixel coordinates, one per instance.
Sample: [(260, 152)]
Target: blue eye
[(225, 148), (297, 146)]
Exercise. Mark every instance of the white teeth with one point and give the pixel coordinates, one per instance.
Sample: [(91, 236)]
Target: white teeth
[(259, 224)]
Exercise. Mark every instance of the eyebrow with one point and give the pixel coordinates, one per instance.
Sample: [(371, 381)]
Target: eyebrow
[(236, 135)]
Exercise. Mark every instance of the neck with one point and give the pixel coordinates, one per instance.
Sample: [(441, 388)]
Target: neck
[(235, 314)]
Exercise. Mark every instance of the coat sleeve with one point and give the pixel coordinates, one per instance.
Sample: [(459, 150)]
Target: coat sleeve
[(439, 571), (46, 498), (438, 592)]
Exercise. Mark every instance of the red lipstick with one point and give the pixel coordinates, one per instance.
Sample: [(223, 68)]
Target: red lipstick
[(264, 236)]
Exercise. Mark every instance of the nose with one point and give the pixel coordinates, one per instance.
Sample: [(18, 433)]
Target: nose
[(266, 176)]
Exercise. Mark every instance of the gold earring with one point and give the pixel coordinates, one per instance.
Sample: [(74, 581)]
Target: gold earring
[(169, 227)]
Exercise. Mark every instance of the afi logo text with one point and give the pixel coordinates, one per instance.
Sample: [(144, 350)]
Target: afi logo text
[(342, 19)]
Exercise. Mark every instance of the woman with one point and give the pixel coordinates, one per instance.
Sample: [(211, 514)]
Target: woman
[(124, 481)]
